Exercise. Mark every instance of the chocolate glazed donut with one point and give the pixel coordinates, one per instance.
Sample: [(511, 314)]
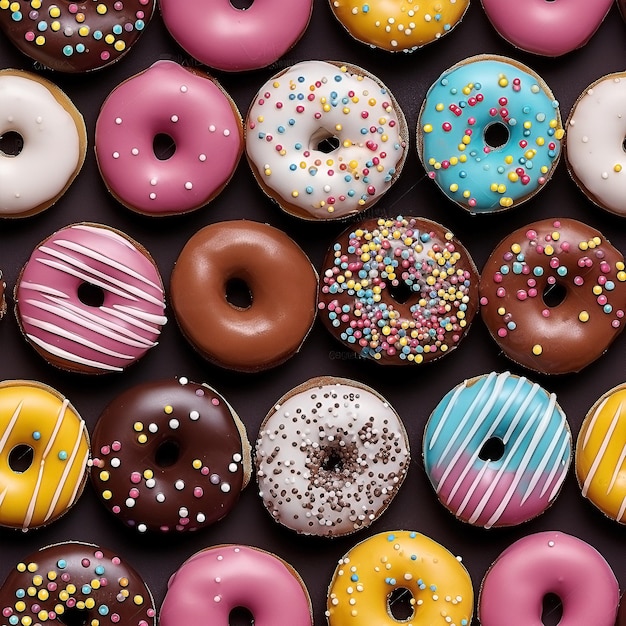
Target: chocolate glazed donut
[(75, 583), (268, 326)]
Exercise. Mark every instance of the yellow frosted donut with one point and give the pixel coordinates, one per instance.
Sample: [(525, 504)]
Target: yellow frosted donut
[(601, 454), (44, 452), (377, 570), (398, 25)]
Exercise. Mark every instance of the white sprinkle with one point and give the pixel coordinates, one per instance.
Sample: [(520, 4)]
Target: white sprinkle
[(118, 120), (184, 89), (142, 528), (174, 118), (226, 132), (130, 502), (180, 485), (212, 128), (115, 462), (202, 158), (194, 415), (160, 497), (188, 185), (153, 428), (174, 424), (135, 151), (225, 487)]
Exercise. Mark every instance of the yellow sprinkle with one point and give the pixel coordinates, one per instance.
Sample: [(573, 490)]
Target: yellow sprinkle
[(559, 134), (40, 41), (597, 290), (454, 187), (503, 82), (138, 600), (54, 11), (516, 248), (138, 426), (440, 107), (540, 141), (20, 606), (583, 245), (548, 250), (104, 476), (537, 349), (101, 9), (294, 194), (583, 316), (428, 128), (556, 235), (617, 167), (508, 159), (506, 201), (513, 177), (106, 494), (143, 438)]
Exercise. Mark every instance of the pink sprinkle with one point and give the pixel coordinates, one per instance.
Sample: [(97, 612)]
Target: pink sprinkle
[(116, 446), (73, 8), (116, 560), (104, 450), (85, 562), (521, 295), (134, 493), (198, 492), (502, 332), (29, 35), (99, 554), (501, 292), (578, 280), (135, 478), (105, 55)]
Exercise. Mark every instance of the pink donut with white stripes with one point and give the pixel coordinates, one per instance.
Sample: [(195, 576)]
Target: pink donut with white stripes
[(90, 299), (497, 449)]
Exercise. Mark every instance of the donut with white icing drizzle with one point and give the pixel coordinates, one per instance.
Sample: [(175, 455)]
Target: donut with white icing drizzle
[(594, 147), (44, 452), (325, 140), (330, 457), (90, 299), (497, 449), (48, 147), (183, 106), (553, 562)]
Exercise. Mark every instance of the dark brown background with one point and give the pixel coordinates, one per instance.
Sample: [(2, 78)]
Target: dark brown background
[(414, 391)]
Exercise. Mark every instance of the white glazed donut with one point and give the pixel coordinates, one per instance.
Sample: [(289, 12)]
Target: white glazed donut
[(595, 142), (325, 140), (53, 141), (330, 457)]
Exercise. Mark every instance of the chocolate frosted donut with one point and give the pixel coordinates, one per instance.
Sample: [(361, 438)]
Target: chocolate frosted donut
[(553, 295), (75, 583), (621, 614), (398, 291), (277, 309), (170, 455), (74, 36)]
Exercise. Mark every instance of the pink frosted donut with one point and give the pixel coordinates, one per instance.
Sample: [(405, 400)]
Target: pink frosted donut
[(234, 40), (547, 28), (213, 582), (173, 103), (544, 563), (90, 299)]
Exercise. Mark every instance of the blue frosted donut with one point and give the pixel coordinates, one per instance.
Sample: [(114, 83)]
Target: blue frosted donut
[(497, 449), (489, 133)]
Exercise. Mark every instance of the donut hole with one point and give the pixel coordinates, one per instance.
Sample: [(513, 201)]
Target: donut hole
[(333, 460), (552, 610), (74, 616), (238, 293), (554, 294), (20, 458), (624, 144), (400, 291), (401, 604), (163, 146), (11, 143), (496, 135), (492, 449), (167, 453), (240, 616), (242, 5), (91, 295), (324, 141)]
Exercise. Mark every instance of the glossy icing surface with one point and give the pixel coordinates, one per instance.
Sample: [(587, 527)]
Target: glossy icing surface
[(595, 135), (51, 153), (513, 589), (522, 481), (553, 295), (601, 454), (313, 101), (74, 36), (547, 28), (210, 584), (75, 581), (232, 39), (35, 416), (194, 485), (195, 113), (454, 140), (282, 285), (90, 337), (330, 457), (399, 25), (440, 586), (398, 291)]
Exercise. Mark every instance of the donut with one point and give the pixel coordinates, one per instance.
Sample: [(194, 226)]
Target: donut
[(547, 28), (75, 583), (231, 39), (497, 449), (269, 322), (388, 564), (44, 454), (594, 148), (548, 562), (553, 295), (43, 142), (601, 454), (398, 291), (331, 455), (76, 36), (169, 455), (90, 299), (193, 115), (325, 140), (217, 580), (399, 25), (509, 113)]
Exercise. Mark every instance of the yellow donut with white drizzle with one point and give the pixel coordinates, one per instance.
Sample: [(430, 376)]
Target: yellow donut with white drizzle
[(44, 454), (601, 454), (369, 577)]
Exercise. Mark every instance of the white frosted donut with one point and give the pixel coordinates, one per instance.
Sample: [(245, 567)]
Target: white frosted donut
[(595, 142), (325, 140), (330, 457), (52, 135)]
